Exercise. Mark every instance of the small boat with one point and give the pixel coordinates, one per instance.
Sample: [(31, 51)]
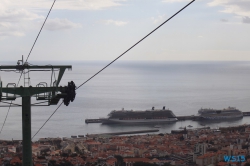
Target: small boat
[(190, 126), (203, 124), (181, 127), (157, 126)]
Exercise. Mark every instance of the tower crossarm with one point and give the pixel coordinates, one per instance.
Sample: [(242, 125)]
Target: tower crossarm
[(30, 91), (61, 68), (22, 67)]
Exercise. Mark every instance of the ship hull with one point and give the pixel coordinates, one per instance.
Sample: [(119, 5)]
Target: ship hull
[(221, 117), (138, 121)]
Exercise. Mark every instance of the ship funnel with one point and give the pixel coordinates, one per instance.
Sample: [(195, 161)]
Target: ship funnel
[(164, 108), (153, 108)]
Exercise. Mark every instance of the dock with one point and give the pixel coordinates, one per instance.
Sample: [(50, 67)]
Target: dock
[(246, 113), (124, 133), (192, 117), (183, 131), (93, 121)]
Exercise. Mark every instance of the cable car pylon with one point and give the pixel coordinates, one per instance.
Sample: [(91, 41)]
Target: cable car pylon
[(50, 95)]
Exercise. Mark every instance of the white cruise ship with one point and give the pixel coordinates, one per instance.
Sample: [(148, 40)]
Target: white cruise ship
[(224, 114), (155, 116)]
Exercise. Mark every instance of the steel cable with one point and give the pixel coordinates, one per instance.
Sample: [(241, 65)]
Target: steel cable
[(118, 58), (47, 120), (136, 44), (40, 31)]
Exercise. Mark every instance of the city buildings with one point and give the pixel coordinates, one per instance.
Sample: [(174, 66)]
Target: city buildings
[(200, 147)]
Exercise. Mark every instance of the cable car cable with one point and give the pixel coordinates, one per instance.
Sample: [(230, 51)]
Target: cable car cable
[(136, 43), (116, 59)]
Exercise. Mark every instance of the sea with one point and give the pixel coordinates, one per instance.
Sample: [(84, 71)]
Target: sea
[(182, 86)]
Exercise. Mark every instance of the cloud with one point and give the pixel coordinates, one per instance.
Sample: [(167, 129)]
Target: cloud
[(246, 20), (14, 15), (158, 19), (223, 20), (88, 4), (13, 33), (64, 4), (113, 22), (237, 7), (171, 1), (7, 29), (14, 22), (60, 24)]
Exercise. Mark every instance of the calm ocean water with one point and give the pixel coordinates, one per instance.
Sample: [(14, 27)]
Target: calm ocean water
[(183, 87)]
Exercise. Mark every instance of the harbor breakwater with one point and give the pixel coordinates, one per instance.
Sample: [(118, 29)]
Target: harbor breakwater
[(124, 133)]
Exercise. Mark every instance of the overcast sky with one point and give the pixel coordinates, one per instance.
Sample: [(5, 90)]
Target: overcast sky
[(103, 29)]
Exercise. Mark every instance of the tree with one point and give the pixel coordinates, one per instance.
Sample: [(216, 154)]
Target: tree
[(65, 155), (211, 142), (52, 162), (247, 157), (244, 146), (91, 164), (73, 155), (66, 163), (119, 160), (143, 164), (40, 157)]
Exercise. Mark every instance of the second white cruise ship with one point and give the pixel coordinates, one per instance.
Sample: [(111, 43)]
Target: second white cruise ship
[(224, 114)]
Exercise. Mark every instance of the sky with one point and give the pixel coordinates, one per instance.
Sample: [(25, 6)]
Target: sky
[(207, 30)]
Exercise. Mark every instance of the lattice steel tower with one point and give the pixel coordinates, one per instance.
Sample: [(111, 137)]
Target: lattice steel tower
[(48, 94)]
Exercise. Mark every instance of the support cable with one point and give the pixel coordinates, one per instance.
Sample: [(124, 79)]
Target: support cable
[(47, 120), (118, 58), (51, 76), (5, 118), (40, 31), (9, 107), (11, 103)]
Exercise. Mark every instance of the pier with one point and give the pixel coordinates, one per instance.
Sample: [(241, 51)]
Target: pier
[(124, 133), (246, 113), (93, 121), (184, 131), (192, 117)]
